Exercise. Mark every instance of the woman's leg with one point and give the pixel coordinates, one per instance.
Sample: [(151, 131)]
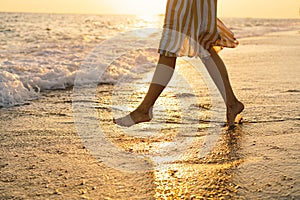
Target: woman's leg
[(233, 105), (162, 75)]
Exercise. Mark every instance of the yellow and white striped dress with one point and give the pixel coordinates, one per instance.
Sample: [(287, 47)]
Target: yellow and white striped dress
[(191, 27)]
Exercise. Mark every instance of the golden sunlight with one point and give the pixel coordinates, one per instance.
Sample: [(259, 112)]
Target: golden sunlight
[(138, 7), (226, 8)]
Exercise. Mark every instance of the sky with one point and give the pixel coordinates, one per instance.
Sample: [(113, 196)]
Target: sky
[(226, 8)]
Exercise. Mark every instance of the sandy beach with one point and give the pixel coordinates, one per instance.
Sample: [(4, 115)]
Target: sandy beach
[(42, 155)]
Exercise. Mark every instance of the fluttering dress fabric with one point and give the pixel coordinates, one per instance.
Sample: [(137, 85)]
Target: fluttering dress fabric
[(191, 27)]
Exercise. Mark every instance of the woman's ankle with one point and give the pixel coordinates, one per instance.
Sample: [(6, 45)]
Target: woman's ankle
[(144, 109), (235, 106)]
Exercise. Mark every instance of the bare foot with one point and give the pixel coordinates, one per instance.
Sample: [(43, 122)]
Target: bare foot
[(135, 117), (232, 112)]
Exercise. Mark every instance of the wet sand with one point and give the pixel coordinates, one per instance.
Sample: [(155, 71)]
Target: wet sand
[(270, 89), (43, 157)]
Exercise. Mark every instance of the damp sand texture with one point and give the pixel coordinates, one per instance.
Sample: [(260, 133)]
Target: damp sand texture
[(43, 157)]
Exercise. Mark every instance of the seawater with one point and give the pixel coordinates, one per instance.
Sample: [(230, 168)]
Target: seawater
[(45, 51)]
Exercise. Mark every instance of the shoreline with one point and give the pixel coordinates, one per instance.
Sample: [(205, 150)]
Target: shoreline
[(276, 33)]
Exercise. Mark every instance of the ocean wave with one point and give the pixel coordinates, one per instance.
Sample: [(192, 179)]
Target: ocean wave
[(20, 84)]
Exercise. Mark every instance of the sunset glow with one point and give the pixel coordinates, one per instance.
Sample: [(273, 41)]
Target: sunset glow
[(226, 8)]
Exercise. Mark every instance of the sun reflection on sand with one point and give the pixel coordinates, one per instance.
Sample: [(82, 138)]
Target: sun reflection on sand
[(189, 177), (202, 179)]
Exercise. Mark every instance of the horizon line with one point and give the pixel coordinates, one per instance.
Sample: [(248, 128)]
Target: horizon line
[(124, 14)]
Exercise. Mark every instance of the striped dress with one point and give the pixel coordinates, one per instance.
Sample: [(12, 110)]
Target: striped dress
[(191, 27)]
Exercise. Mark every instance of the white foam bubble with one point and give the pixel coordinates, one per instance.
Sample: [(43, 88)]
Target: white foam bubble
[(13, 92), (19, 84)]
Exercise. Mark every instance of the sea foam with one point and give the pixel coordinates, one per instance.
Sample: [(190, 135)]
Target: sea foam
[(13, 92)]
